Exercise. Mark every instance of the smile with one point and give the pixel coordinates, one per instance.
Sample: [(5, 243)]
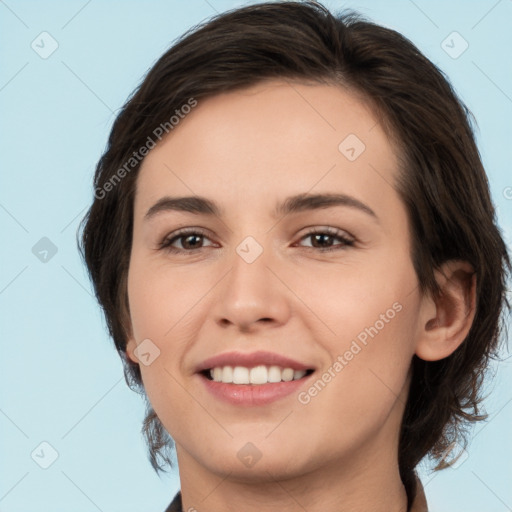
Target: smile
[(251, 394), (258, 375)]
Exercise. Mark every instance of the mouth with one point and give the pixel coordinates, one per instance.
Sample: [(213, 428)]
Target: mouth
[(253, 379), (256, 386), (255, 376)]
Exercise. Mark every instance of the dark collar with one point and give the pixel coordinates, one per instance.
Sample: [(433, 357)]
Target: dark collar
[(175, 505)]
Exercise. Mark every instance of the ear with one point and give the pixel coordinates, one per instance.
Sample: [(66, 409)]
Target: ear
[(445, 321), (131, 345)]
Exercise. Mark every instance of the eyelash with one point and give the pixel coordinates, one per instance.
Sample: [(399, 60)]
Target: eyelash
[(167, 242)]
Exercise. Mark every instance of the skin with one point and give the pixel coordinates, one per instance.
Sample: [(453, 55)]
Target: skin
[(248, 150)]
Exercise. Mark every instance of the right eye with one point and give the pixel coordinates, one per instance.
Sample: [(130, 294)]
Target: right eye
[(188, 238)]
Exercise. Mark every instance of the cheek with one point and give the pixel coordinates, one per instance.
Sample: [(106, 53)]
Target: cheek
[(163, 299), (364, 384), (164, 307), (355, 296), (367, 328)]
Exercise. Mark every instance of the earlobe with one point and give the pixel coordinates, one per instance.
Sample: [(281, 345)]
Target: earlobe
[(446, 320), (130, 348)]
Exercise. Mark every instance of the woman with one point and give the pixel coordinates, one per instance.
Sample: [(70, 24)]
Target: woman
[(292, 239)]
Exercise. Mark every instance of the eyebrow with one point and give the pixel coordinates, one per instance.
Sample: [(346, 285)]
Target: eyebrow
[(302, 202)]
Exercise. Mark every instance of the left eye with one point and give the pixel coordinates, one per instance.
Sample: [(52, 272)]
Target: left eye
[(325, 236)]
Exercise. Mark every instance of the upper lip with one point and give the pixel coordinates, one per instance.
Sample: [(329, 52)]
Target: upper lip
[(251, 360)]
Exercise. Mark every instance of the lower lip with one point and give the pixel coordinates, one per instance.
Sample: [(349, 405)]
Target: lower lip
[(252, 394)]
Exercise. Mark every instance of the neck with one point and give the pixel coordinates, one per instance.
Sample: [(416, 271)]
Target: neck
[(370, 481)]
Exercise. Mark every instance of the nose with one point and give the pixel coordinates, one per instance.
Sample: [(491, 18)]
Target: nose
[(253, 294)]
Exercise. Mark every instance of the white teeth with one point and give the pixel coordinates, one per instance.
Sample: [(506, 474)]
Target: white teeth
[(274, 374), (227, 374), (287, 374), (240, 375), (298, 374), (216, 374), (257, 375)]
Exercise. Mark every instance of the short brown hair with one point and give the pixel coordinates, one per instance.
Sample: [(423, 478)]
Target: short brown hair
[(441, 181)]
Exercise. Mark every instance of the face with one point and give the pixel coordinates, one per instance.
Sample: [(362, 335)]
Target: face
[(326, 282)]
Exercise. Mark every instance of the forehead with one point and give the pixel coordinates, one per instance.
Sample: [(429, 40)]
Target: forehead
[(272, 139)]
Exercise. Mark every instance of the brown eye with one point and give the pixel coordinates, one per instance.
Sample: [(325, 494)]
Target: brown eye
[(323, 239), (189, 241)]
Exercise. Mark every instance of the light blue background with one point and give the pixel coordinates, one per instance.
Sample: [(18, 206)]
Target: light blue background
[(61, 378)]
